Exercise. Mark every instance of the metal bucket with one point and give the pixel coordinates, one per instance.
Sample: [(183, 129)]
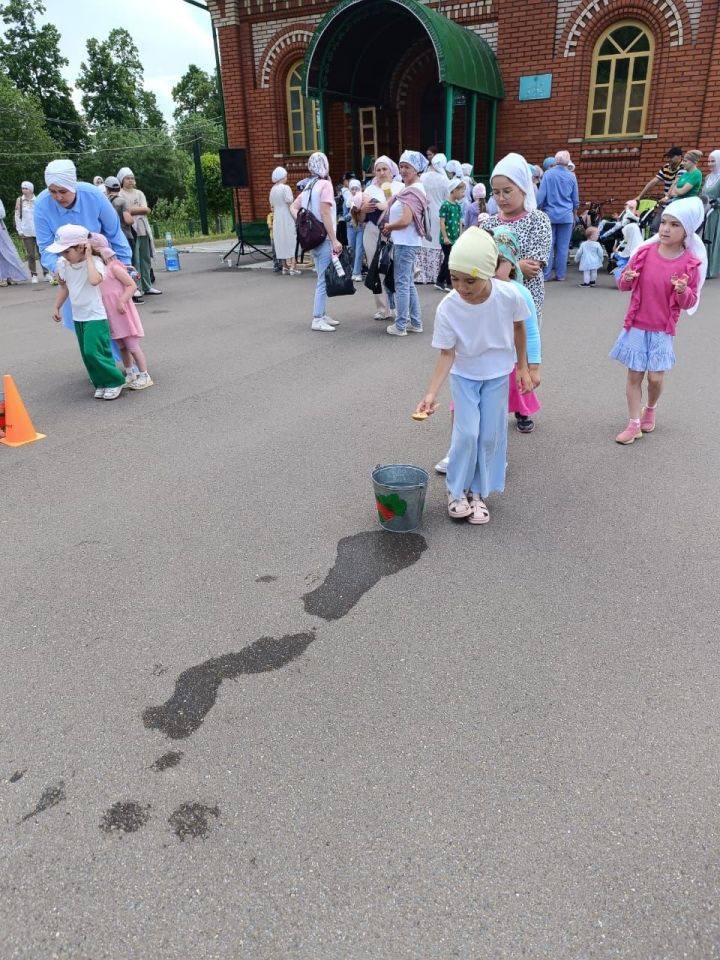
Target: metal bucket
[(399, 496)]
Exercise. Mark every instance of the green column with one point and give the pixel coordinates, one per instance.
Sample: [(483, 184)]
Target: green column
[(321, 122), (472, 127), (449, 92), (491, 134)]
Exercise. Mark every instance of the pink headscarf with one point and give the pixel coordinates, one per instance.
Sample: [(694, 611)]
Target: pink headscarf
[(562, 157)]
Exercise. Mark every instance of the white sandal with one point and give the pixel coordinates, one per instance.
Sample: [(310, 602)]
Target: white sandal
[(479, 512), (458, 509)]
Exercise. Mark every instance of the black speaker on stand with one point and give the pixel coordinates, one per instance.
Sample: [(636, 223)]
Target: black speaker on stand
[(233, 172)]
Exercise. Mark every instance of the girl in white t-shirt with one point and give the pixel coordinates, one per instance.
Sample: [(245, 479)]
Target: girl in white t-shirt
[(479, 328), (80, 274)]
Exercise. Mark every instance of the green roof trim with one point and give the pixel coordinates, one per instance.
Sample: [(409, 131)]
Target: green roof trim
[(465, 60)]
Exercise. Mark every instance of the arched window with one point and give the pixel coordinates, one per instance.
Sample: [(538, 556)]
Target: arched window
[(302, 114), (621, 71)]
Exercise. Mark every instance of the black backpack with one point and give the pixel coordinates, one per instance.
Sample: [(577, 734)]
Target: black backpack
[(310, 231)]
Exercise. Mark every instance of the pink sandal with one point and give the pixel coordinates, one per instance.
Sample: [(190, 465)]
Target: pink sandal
[(459, 509), (479, 512)]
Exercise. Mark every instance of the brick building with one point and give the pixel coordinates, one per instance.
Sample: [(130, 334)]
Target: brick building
[(616, 82)]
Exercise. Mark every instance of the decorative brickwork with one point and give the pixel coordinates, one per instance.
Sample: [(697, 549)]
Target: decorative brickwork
[(260, 40)]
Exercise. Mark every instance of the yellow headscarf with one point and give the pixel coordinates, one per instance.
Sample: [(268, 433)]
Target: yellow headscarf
[(475, 253)]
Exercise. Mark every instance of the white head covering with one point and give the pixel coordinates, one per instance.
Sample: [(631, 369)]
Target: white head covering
[(124, 172), (515, 168), (691, 213), (439, 162), (354, 184), (466, 169), (712, 178), (479, 192), (318, 164), (453, 167), (26, 185), (278, 174), (563, 158), (61, 173), (415, 159), (456, 182), (98, 181)]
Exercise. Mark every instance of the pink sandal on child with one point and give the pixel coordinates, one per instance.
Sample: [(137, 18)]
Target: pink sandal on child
[(458, 509), (479, 512)]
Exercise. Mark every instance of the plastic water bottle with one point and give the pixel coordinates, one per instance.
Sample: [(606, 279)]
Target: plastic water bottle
[(172, 257), (338, 266)]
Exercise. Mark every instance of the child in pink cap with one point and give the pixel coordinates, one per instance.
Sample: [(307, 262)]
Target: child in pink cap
[(81, 273), (126, 328)]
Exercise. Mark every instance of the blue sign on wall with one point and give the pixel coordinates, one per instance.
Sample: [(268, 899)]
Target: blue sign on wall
[(535, 87)]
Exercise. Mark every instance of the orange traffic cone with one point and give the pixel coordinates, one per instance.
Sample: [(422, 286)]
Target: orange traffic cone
[(19, 428)]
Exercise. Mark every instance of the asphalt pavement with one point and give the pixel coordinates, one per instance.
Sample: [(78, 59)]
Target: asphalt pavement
[(240, 721)]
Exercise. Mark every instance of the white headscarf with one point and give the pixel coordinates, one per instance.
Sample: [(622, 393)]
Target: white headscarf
[(466, 169), (415, 159), (453, 167), (278, 174), (26, 185), (318, 164), (61, 173), (515, 168), (439, 162), (712, 178), (455, 182), (124, 172), (690, 212)]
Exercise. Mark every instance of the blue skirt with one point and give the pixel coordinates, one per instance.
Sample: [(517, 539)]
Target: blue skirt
[(644, 350)]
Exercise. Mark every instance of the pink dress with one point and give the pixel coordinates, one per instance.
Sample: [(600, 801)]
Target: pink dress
[(122, 325)]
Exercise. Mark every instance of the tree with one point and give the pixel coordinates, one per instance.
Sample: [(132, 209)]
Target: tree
[(219, 198), (197, 94), (208, 133), (28, 146), (31, 60), (111, 82), (150, 154)]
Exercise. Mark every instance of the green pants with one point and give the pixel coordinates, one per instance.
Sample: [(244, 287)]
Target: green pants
[(94, 340), (141, 261)]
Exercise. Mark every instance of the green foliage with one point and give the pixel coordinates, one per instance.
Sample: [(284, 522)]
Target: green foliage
[(30, 57), (210, 134), (196, 94), (111, 81), (158, 167), (22, 132), (219, 198)]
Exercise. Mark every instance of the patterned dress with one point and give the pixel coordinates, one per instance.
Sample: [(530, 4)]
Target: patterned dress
[(535, 235)]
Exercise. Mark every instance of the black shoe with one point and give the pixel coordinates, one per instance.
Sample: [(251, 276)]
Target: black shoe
[(138, 299), (524, 424), (592, 283), (584, 284)]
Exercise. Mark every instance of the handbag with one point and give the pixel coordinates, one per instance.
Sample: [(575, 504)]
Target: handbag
[(311, 232), (385, 258), (335, 285)]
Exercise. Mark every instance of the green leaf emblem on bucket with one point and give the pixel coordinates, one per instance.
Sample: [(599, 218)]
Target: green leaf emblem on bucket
[(390, 506)]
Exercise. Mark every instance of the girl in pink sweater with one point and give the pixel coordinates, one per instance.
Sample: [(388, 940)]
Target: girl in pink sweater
[(665, 275)]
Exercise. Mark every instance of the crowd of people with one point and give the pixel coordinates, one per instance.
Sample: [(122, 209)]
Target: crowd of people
[(420, 220), (445, 229)]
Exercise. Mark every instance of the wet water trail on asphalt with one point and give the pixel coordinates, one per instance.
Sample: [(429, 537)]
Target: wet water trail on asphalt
[(363, 559), (196, 688), (50, 797), (192, 820), (126, 816), (166, 761)]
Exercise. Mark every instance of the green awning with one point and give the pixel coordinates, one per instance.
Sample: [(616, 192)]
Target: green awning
[(338, 54)]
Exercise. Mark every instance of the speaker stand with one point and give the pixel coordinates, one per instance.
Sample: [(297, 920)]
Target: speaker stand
[(242, 246)]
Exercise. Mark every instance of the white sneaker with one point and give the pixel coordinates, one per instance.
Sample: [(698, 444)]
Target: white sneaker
[(48, 277), (442, 466), (357, 278), (395, 331), (154, 291), (333, 323), (319, 324), (141, 381), (34, 280), (413, 329), (112, 393), (99, 393)]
